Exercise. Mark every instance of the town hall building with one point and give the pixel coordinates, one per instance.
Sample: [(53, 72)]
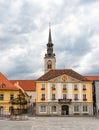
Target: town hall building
[(62, 92)]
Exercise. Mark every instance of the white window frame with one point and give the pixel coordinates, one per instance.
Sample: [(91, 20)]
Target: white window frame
[(76, 109), (43, 111), (64, 86), (54, 96), (1, 110), (75, 86), (1, 97), (85, 108), (43, 86), (84, 95), (65, 97), (51, 109), (75, 96), (42, 96), (53, 87), (84, 86), (11, 96)]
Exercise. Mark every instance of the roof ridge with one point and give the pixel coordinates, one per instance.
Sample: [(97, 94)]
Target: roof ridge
[(8, 84), (57, 72), (22, 80)]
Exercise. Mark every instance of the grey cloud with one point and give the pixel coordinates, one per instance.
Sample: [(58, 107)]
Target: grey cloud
[(92, 72), (69, 54), (33, 18), (88, 1), (27, 15), (80, 46)]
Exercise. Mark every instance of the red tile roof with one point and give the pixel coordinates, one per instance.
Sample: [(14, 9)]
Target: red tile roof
[(5, 84), (26, 85), (58, 72), (92, 77)]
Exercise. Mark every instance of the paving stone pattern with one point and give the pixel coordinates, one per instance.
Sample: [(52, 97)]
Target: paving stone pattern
[(52, 123)]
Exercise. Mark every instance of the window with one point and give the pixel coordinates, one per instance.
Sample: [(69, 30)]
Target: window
[(53, 109), (43, 97), (64, 96), (11, 96), (1, 97), (2, 85), (75, 87), (30, 96), (76, 108), (84, 97), (1, 110), (75, 96), (85, 108), (53, 96), (49, 64), (43, 87), (64, 86), (84, 87), (53, 86), (42, 108)]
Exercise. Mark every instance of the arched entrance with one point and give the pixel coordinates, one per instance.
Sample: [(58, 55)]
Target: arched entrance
[(65, 110)]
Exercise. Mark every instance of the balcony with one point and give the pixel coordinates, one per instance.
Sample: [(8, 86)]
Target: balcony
[(53, 88), (42, 99), (64, 89), (76, 99), (42, 88), (53, 98), (84, 88), (75, 88), (84, 99), (64, 100)]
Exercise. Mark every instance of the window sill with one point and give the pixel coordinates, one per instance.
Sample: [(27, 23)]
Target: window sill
[(85, 112), (76, 112), (53, 112), (42, 88), (43, 112)]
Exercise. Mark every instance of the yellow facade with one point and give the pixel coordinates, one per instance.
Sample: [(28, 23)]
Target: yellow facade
[(5, 103), (79, 91), (64, 95)]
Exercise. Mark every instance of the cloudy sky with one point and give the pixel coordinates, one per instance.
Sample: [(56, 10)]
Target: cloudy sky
[(24, 28)]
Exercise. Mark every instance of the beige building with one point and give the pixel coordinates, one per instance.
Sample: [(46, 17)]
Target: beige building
[(29, 86)]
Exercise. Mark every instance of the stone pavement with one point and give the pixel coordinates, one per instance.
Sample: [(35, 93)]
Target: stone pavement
[(52, 123)]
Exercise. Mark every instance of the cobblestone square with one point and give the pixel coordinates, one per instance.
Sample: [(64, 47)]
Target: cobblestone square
[(52, 123)]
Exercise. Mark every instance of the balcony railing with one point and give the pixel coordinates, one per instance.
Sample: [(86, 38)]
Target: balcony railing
[(53, 88), (53, 98), (64, 89), (42, 88), (42, 98), (75, 88), (65, 100), (76, 99), (84, 88), (84, 99)]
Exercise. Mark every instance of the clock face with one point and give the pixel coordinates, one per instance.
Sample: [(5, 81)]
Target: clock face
[(64, 78)]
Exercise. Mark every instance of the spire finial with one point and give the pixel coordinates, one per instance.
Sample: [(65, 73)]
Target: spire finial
[(50, 38)]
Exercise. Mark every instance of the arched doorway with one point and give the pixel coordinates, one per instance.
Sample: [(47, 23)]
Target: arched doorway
[(65, 110)]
